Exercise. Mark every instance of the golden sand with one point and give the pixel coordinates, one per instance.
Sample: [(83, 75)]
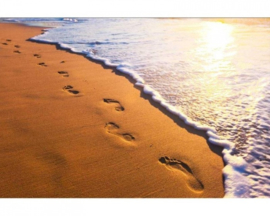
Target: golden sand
[(73, 128)]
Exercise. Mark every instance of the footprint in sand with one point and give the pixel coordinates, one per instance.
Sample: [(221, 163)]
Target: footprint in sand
[(70, 89), (17, 51), (4, 43), (118, 107), (8, 40), (17, 46), (194, 183), (37, 55), (113, 128), (42, 64), (64, 73), (62, 62)]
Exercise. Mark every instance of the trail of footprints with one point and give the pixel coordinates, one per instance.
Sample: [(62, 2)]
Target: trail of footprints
[(114, 129), (5, 43), (174, 164), (16, 46), (67, 88), (40, 63)]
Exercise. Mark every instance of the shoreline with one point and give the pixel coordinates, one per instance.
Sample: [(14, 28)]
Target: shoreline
[(125, 124), (179, 121)]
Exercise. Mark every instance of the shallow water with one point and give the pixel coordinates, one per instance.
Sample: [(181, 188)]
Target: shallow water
[(212, 73)]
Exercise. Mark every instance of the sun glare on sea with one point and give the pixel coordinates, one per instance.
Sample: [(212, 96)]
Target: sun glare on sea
[(215, 46), (213, 55), (217, 34)]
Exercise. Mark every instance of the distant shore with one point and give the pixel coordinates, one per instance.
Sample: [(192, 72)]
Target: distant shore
[(73, 128)]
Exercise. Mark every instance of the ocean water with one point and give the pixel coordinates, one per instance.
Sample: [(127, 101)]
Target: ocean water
[(212, 73)]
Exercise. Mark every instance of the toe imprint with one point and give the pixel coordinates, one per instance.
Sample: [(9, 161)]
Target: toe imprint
[(67, 87)]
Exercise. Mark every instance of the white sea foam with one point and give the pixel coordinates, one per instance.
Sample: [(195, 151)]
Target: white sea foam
[(70, 19), (212, 85)]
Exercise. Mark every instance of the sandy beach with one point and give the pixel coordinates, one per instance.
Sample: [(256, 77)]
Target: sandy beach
[(71, 127)]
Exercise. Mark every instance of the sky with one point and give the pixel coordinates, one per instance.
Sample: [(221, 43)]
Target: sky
[(135, 8)]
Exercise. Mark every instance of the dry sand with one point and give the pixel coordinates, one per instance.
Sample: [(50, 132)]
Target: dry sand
[(72, 128)]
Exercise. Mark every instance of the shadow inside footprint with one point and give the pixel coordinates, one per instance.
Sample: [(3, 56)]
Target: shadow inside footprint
[(128, 137), (64, 73), (8, 40), (113, 128), (4, 43), (110, 126), (17, 46), (37, 55), (62, 62), (194, 183), (118, 107), (17, 51), (42, 64), (73, 91)]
